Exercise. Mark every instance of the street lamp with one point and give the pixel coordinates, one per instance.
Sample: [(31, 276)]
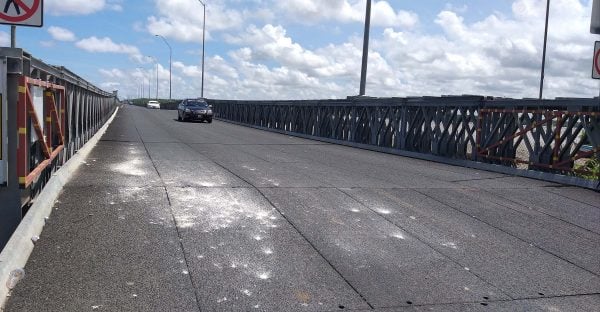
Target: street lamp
[(170, 61), (544, 53), (142, 90), (203, 36), (365, 59)]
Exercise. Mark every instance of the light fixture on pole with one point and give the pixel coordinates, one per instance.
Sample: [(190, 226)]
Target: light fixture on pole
[(365, 58), (170, 62), (203, 36), (544, 53)]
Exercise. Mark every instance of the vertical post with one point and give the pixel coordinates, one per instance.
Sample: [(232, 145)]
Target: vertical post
[(23, 137), (48, 119), (170, 70), (365, 59), (13, 36), (544, 52), (203, 41), (557, 132), (157, 80), (478, 137), (10, 213)]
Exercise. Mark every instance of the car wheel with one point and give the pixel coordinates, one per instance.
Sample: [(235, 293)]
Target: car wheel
[(178, 117)]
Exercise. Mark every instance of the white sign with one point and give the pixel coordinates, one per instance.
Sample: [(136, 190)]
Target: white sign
[(22, 12), (596, 66)]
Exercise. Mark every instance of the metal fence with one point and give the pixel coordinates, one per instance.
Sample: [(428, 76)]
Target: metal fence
[(48, 113), (550, 139)]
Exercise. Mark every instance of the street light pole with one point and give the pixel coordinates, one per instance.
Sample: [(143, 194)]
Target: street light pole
[(143, 83), (170, 62), (544, 53), (203, 38), (149, 80), (365, 59)]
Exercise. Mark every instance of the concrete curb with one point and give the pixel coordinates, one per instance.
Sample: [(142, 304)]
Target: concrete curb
[(15, 254)]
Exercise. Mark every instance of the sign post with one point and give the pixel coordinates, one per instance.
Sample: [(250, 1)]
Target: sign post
[(595, 24), (22, 12)]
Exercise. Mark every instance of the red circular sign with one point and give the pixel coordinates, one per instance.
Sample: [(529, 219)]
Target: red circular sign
[(22, 6), (597, 61)]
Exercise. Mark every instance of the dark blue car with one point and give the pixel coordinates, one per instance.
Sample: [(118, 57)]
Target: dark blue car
[(194, 109)]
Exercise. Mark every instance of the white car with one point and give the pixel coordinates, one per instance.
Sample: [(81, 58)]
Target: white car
[(153, 104)]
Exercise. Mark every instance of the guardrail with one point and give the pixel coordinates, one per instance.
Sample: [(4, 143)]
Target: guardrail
[(48, 113), (549, 140)]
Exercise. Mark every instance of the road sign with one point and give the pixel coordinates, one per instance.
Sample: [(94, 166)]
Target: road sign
[(596, 66), (22, 12)]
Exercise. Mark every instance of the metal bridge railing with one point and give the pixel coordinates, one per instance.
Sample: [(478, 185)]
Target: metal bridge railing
[(551, 139), (48, 113)]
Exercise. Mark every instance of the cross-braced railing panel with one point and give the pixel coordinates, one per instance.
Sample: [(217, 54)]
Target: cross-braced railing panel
[(546, 140), (550, 136)]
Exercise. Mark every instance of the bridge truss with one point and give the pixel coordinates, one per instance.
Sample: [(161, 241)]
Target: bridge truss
[(550, 139)]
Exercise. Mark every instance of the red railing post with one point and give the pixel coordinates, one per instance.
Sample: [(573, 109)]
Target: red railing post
[(22, 143), (49, 106)]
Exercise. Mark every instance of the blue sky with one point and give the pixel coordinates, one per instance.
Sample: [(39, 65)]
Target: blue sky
[(269, 49)]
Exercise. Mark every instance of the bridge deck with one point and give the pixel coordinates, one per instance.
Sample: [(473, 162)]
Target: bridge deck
[(169, 216)]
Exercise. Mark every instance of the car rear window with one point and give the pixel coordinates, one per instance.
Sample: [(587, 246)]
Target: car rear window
[(197, 104)]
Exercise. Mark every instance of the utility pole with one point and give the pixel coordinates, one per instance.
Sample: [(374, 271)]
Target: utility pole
[(365, 59)]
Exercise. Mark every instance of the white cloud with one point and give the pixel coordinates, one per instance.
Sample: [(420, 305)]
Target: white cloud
[(313, 11), (110, 85), (61, 34), (115, 5), (4, 39), (74, 7), (81, 7), (272, 43), (105, 45), (183, 19), (498, 55), (113, 73)]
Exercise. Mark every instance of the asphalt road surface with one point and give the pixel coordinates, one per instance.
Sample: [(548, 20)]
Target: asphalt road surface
[(171, 216)]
